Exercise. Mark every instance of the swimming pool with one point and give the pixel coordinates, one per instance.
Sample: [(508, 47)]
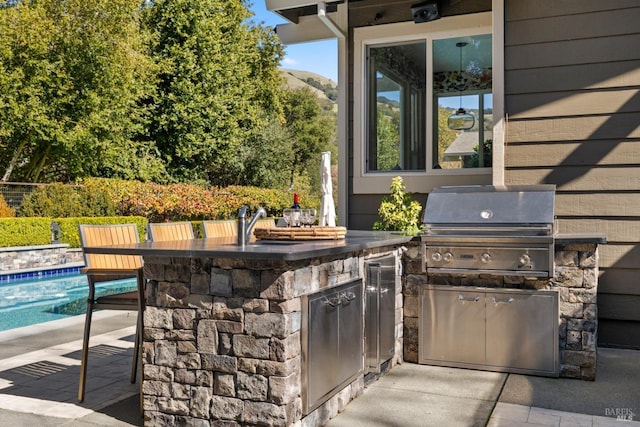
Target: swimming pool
[(33, 301)]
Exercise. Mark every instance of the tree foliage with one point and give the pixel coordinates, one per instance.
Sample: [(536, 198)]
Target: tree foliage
[(388, 138), (218, 77), (310, 131), (163, 91), (72, 75)]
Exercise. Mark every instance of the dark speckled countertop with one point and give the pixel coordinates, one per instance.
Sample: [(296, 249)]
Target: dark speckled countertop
[(259, 250), (594, 238)]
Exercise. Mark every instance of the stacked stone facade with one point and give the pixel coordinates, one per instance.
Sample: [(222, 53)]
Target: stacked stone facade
[(575, 280), (43, 257), (222, 340)]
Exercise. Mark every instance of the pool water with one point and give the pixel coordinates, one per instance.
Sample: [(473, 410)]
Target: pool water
[(29, 302)]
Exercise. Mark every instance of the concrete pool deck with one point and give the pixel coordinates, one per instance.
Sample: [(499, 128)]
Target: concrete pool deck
[(39, 369)]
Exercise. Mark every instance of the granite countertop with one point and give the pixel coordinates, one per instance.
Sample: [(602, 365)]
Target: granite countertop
[(294, 250), (595, 238)]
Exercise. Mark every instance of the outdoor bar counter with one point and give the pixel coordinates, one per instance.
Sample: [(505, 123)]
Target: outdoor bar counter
[(227, 329)]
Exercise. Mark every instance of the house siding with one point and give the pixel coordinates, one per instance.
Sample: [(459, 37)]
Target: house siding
[(572, 104), (572, 100)]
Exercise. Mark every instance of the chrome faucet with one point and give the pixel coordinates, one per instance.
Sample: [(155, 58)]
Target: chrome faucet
[(244, 229)]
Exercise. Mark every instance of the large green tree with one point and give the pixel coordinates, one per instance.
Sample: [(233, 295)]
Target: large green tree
[(267, 157), (218, 84), (73, 76), (310, 131)]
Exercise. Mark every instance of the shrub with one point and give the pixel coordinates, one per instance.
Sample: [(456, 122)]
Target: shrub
[(5, 210), (103, 197), (61, 201), (37, 231), (398, 211), (25, 231), (69, 226), (190, 202)]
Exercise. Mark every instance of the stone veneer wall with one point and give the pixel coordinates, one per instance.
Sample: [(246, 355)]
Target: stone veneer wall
[(576, 280), (37, 257), (222, 340)]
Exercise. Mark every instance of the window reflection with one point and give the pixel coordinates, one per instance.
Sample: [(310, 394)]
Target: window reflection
[(397, 83), (463, 84)]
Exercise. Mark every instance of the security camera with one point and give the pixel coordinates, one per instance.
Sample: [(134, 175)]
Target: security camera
[(425, 11)]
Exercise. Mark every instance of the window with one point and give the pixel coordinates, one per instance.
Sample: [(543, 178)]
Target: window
[(462, 81), (397, 79), (408, 80)]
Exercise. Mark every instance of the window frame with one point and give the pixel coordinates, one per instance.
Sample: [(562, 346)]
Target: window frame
[(421, 181)]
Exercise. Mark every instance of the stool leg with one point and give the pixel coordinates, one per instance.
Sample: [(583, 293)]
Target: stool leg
[(136, 348), (85, 349)]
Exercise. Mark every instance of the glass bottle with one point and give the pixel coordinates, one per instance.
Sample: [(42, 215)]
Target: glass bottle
[(295, 212)]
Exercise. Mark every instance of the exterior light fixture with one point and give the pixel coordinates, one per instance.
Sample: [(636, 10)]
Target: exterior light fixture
[(461, 119)]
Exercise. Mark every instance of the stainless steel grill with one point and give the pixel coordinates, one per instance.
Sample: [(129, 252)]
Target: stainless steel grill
[(501, 230)]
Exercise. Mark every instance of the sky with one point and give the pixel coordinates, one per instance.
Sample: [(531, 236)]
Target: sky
[(318, 57)]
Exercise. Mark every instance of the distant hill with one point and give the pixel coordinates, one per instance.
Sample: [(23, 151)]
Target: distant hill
[(323, 87)]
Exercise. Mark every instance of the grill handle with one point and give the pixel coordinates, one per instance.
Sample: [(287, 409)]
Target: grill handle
[(492, 230), (463, 299)]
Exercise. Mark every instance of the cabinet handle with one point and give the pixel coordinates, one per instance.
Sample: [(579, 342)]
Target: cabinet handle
[(333, 302), (496, 301), (348, 296), (462, 298)]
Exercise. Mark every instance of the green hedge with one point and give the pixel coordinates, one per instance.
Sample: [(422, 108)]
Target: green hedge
[(69, 226), (25, 231), (67, 201), (37, 231)]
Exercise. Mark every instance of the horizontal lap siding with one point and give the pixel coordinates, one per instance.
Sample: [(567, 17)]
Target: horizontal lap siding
[(363, 209), (572, 96)]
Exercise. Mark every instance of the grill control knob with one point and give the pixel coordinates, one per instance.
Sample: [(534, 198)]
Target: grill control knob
[(485, 258), (436, 256), (525, 259), (448, 257)]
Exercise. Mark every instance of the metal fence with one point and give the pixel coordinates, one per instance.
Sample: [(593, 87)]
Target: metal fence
[(14, 192)]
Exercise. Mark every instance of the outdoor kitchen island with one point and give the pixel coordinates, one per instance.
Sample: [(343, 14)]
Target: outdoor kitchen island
[(228, 330)]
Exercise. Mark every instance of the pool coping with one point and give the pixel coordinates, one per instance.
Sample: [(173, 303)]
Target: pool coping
[(53, 325)]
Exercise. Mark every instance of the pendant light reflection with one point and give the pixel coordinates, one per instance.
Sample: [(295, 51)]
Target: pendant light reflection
[(461, 120)]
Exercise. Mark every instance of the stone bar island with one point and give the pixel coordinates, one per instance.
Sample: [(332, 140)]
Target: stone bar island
[(256, 335)]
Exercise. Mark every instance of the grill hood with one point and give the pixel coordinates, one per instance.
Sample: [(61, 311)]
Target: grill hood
[(488, 205), (505, 230)]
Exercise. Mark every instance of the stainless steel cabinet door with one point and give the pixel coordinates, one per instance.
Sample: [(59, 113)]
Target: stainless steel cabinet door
[(452, 326), (333, 342), (323, 345), (380, 312), (350, 342), (387, 310), (521, 332)]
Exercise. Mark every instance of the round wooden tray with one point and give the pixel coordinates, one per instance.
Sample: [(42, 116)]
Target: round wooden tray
[(300, 233)]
